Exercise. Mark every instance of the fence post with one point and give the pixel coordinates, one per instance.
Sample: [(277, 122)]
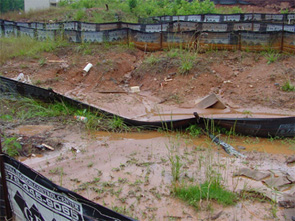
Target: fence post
[(4, 185), (161, 36), (128, 36), (282, 38), (240, 41)]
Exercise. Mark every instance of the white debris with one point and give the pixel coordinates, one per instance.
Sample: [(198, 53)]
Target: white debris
[(87, 67), (22, 78), (135, 89)]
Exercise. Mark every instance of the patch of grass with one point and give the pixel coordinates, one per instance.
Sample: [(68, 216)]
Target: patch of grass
[(42, 61), (194, 130), (117, 124), (175, 160), (11, 146), (288, 86), (22, 108), (193, 194), (247, 113), (26, 47), (128, 11), (271, 56), (187, 61), (152, 59), (84, 48)]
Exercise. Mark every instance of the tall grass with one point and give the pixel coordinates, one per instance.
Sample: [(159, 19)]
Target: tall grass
[(26, 47), (22, 109), (206, 191)]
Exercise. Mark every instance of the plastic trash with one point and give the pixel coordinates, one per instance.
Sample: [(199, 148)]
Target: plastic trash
[(135, 89), (81, 118), (20, 77), (87, 67)]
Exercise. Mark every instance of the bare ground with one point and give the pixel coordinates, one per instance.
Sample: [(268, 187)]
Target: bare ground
[(131, 172)]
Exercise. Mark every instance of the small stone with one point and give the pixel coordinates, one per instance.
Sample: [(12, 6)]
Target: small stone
[(241, 147), (277, 84)]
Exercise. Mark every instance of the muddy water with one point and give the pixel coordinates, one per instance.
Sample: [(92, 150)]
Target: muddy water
[(31, 130), (101, 135), (134, 171), (280, 146), (264, 145)]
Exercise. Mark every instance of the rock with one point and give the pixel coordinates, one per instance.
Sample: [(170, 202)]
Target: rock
[(241, 148)]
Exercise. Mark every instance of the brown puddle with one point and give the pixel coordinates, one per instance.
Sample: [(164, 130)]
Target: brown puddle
[(265, 145), (31, 130), (21, 158), (127, 135)]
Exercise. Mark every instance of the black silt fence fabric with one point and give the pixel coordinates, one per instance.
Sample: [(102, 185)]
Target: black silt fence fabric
[(215, 29)]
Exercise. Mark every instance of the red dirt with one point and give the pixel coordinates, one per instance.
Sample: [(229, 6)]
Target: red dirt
[(244, 81)]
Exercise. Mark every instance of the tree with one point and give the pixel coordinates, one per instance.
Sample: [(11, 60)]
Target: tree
[(132, 4), (11, 5)]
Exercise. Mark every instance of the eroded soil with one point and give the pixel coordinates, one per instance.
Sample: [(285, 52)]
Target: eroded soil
[(131, 172)]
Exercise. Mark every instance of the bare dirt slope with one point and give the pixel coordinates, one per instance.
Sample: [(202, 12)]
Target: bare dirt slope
[(246, 82)]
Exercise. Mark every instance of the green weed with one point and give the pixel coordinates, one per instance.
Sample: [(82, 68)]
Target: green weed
[(194, 130), (187, 61), (117, 124), (152, 59), (271, 56), (288, 86), (175, 160), (42, 61), (11, 146), (247, 113), (207, 191), (80, 14)]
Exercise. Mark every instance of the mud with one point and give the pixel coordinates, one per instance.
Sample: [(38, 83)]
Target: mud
[(131, 172)]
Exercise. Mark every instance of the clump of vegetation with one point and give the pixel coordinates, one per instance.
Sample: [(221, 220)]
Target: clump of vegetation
[(11, 146), (207, 191), (26, 108), (194, 130), (8, 5), (184, 60), (175, 160), (128, 11), (27, 47), (288, 86), (271, 56), (152, 60), (187, 60), (211, 189)]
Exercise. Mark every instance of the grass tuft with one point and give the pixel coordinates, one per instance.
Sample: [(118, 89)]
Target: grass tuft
[(193, 194), (288, 86)]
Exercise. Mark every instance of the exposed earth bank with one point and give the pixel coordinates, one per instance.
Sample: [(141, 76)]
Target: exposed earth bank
[(131, 173)]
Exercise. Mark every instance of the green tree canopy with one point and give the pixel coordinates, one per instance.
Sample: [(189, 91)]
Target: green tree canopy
[(11, 5)]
